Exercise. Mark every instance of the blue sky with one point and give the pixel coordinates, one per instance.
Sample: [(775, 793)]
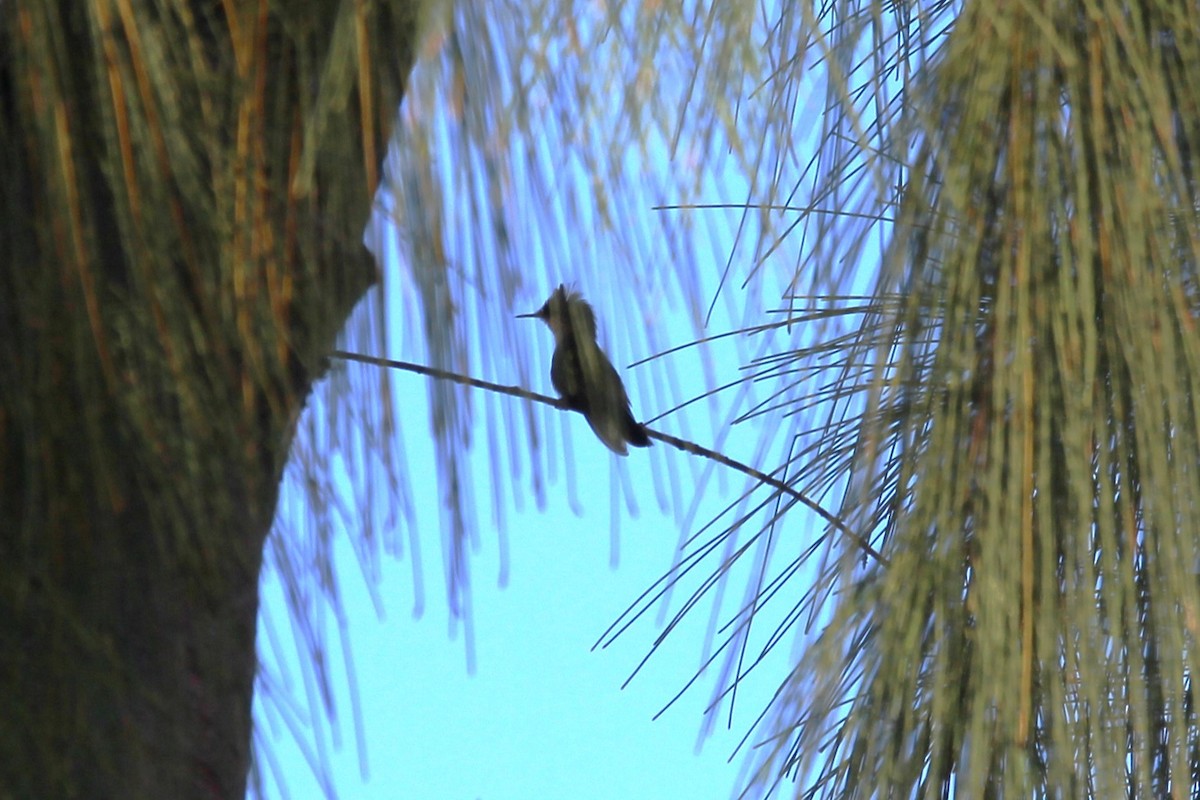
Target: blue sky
[(543, 714)]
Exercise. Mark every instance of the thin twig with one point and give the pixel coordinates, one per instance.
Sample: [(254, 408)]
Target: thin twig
[(421, 369), (666, 438), (721, 458)]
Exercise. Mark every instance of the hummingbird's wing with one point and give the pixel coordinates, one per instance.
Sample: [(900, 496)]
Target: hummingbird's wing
[(607, 404), (566, 373), (587, 380)]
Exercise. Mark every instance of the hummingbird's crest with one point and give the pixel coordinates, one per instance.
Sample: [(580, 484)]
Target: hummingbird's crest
[(567, 314), (583, 376)]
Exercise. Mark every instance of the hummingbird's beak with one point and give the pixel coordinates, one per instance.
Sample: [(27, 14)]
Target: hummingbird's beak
[(525, 316)]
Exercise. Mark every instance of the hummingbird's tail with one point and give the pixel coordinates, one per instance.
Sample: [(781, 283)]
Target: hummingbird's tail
[(619, 429), (635, 432)]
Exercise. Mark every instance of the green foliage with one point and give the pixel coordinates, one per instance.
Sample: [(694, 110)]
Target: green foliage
[(1027, 444)]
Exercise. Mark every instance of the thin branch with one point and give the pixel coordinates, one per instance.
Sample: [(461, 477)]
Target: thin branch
[(421, 369), (721, 458), (666, 438)]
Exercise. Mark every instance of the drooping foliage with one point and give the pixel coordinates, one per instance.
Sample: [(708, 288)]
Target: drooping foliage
[(1027, 446)]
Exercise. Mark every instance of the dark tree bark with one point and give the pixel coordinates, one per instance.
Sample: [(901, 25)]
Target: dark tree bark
[(180, 240)]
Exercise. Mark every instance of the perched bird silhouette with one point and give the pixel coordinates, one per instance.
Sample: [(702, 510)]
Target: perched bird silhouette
[(583, 375)]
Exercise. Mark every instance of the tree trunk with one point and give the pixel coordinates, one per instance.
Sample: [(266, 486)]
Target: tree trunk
[(180, 244)]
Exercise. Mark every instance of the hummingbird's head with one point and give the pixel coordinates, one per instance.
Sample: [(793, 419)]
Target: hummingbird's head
[(567, 311)]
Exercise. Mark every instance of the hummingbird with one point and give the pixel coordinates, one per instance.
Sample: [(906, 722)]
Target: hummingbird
[(583, 376)]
